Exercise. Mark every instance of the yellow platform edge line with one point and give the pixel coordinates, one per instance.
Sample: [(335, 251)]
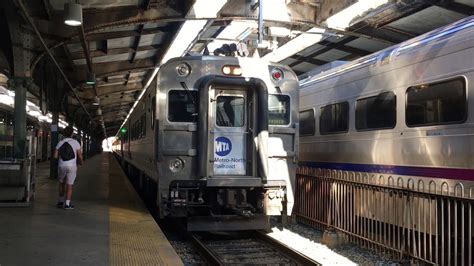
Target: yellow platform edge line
[(135, 238)]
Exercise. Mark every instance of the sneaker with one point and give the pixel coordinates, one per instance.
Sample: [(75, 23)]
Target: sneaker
[(69, 207), (60, 204)]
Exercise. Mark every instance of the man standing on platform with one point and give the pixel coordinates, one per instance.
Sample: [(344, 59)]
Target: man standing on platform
[(69, 153)]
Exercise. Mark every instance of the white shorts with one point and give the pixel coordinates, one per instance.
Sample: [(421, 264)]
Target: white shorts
[(67, 172)]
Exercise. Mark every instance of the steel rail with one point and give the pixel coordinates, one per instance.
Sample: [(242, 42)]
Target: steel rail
[(295, 257), (207, 253)]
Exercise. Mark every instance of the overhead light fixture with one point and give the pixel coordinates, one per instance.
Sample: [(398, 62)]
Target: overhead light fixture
[(275, 31), (73, 16), (90, 78), (96, 101)]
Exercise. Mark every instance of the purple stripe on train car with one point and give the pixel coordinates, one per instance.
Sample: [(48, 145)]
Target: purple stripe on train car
[(446, 173)]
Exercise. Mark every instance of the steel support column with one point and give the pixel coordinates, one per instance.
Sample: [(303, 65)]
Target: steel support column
[(84, 146), (19, 125), (53, 168)]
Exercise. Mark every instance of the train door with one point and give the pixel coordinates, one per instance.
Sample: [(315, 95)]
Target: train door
[(228, 124)]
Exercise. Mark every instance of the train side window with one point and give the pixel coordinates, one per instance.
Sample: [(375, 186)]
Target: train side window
[(153, 112), (334, 118), (278, 109), (436, 103), (376, 112), (307, 123), (182, 106), (230, 111)]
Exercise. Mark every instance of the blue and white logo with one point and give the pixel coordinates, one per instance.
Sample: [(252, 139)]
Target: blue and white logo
[(223, 146)]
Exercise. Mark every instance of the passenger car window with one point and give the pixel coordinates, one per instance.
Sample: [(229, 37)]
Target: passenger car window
[(230, 111), (278, 109), (376, 112), (436, 103), (182, 106), (334, 118), (307, 123)]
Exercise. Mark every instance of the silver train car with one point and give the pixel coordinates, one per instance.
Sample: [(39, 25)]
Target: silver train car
[(214, 140), (407, 111), (37, 133)]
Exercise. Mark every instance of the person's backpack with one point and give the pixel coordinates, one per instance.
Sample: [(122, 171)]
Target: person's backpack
[(66, 152)]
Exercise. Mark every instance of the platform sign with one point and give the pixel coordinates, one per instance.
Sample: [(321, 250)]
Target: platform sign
[(229, 153)]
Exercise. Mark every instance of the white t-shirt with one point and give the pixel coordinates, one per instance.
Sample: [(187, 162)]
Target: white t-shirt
[(75, 146)]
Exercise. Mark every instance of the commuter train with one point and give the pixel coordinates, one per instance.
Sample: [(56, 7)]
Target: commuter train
[(214, 139), (407, 111), (37, 132)]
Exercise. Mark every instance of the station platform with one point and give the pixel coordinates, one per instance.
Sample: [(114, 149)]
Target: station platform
[(109, 225)]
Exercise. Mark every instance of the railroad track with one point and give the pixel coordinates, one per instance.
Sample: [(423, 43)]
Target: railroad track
[(246, 248)]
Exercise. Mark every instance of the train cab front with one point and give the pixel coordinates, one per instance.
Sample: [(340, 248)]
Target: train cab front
[(232, 130), (227, 142)]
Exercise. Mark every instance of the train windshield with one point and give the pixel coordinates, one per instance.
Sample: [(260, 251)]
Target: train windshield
[(278, 109), (230, 111), (182, 106)]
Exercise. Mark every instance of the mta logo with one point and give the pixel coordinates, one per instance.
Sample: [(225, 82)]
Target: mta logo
[(223, 146)]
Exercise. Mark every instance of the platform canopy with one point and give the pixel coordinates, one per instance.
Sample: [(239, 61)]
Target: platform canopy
[(123, 42)]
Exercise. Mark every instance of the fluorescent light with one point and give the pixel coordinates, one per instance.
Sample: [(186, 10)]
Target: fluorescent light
[(187, 33), (205, 9), (6, 99), (34, 113), (342, 19), (296, 45), (42, 118)]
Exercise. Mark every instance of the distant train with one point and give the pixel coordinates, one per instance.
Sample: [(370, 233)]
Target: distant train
[(407, 111), (37, 131), (214, 139)]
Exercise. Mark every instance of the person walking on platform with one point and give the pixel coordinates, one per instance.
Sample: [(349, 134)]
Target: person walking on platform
[(69, 153)]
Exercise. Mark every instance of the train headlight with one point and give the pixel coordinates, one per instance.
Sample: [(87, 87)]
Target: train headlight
[(232, 70), (183, 70), (176, 165), (277, 74)]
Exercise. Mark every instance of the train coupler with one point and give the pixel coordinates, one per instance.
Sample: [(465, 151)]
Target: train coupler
[(274, 200)]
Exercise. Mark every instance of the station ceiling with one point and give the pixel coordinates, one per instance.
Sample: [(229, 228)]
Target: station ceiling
[(123, 41)]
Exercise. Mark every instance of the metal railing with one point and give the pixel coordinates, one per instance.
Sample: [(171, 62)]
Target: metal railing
[(421, 219)]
